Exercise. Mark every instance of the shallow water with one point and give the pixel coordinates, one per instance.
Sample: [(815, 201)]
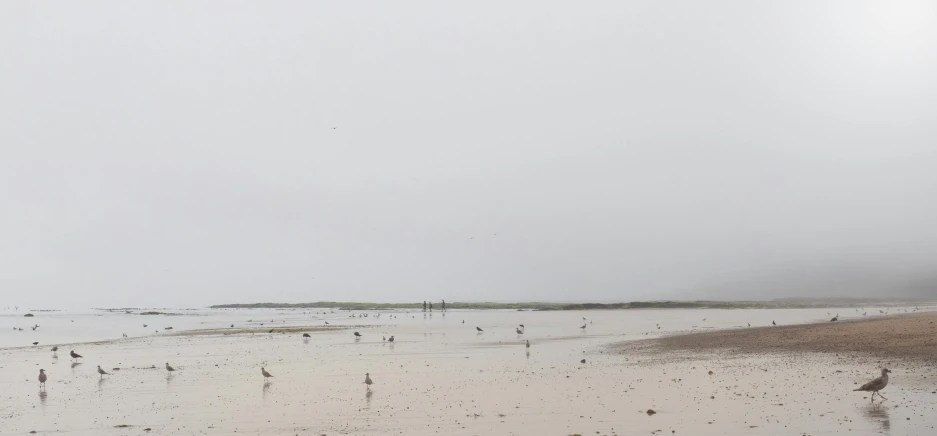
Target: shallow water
[(72, 326), (442, 377)]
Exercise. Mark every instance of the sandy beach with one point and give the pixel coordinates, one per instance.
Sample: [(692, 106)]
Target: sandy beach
[(440, 376), (904, 336)]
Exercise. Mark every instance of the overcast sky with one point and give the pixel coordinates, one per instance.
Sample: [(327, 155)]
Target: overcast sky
[(177, 153)]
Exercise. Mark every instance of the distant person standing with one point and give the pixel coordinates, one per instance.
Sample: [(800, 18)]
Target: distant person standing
[(424, 305), (430, 306), (443, 305)]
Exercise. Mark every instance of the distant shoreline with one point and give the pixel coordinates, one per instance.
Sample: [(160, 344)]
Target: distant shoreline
[(667, 304)]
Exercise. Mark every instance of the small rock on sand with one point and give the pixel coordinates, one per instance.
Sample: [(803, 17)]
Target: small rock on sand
[(650, 412)]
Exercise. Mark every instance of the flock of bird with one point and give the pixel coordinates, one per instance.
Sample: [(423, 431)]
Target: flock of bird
[(874, 386)]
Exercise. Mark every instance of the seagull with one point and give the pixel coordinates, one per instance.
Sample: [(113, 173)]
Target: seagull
[(367, 380), (35, 343), (306, 335), (773, 323), (326, 323), (74, 354), (232, 325), (522, 326), (42, 378), (835, 318), (102, 372), (876, 385), (265, 373), (144, 325), (55, 348), (390, 339), (358, 334), (519, 331), (169, 368), (583, 327), (479, 329)]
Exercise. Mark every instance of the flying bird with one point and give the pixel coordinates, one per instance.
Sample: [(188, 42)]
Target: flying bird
[(876, 385)]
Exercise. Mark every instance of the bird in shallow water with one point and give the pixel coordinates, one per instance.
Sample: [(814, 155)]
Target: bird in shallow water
[(169, 368), (75, 356), (265, 373), (391, 339), (42, 378), (102, 372), (306, 335), (876, 385), (357, 334), (367, 380)]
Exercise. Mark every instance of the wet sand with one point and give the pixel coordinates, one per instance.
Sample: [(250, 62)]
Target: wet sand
[(906, 336), (441, 377)]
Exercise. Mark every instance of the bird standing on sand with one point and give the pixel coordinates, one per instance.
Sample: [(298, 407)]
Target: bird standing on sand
[(583, 327), (169, 368), (390, 339), (54, 349), (479, 329), (75, 356), (835, 318), (306, 335), (773, 323), (357, 334), (367, 380), (42, 378), (265, 373), (102, 372), (876, 385)]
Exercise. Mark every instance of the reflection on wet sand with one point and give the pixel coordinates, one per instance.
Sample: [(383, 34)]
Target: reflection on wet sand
[(74, 364), (42, 398), (367, 397), (878, 413)]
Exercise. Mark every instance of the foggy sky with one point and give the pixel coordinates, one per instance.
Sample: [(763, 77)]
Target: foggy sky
[(191, 153)]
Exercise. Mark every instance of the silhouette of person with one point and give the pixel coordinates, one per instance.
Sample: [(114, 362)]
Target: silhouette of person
[(430, 306), (424, 305), (443, 305)]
